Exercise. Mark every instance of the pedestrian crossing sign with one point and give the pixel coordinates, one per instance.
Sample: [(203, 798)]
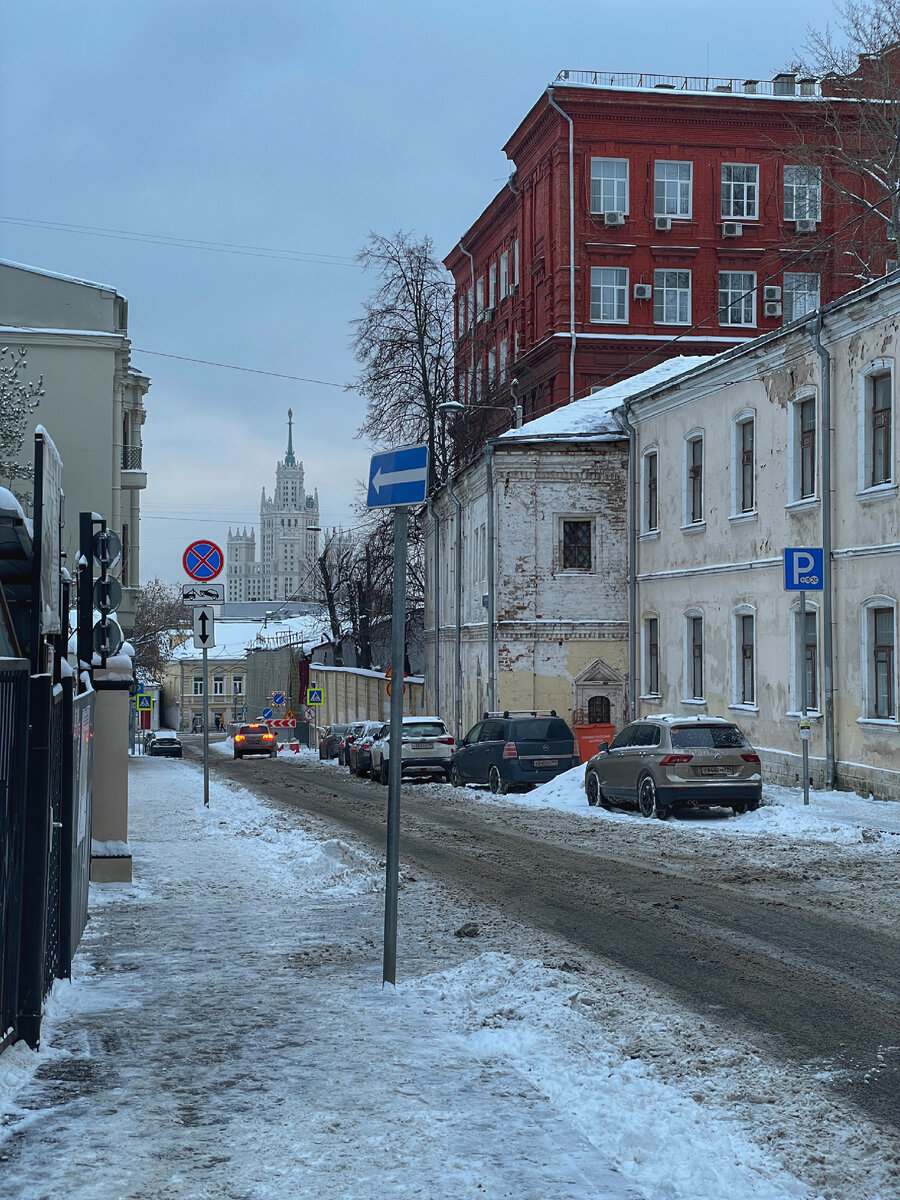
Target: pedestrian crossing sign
[(144, 702), (314, 695)]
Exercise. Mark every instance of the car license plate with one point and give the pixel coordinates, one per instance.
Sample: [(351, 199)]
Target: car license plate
[(546, 762), (421, 745), (714, 770)]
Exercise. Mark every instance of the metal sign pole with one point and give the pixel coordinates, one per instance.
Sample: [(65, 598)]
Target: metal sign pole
[(395, 765), (205, 727), (804, 718)]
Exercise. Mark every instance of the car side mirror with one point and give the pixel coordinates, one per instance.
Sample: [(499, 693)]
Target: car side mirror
[(459, 743), (603, 748)]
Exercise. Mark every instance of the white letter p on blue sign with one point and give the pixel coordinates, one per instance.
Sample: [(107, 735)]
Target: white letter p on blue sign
[(804, 568)]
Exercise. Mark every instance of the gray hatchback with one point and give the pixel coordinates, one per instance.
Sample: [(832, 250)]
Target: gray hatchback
[(666, 762)]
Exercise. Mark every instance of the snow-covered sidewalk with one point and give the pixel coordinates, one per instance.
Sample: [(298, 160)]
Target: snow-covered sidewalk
[(226, 1037)]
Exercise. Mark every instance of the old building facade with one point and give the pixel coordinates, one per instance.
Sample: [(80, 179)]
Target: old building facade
[(641, 210), (790, 442), (283, 560)]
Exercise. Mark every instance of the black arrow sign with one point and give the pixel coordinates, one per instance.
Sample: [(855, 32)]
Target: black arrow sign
[(204, 621)]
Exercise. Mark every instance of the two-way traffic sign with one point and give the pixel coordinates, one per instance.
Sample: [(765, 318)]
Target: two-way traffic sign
[(204, 628), (398, 477)]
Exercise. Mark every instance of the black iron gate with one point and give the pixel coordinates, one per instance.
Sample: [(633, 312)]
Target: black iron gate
[(14, 689)]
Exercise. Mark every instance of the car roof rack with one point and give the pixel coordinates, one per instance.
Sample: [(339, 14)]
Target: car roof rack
[(522, 712)]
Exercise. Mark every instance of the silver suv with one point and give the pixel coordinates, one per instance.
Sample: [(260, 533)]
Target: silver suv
[(427, 749), (661, 763)]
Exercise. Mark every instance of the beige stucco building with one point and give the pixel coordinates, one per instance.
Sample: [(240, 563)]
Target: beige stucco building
[(789, 442), (75, 336)]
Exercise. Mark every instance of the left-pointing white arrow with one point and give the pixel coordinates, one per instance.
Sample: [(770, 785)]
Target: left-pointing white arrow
[(390, 478)]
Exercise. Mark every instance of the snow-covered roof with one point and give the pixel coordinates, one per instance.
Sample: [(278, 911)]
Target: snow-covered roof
[(594, 415), (235, 638), (103, 287)]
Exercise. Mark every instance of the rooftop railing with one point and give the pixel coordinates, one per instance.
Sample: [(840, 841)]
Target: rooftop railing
[(787, 86)]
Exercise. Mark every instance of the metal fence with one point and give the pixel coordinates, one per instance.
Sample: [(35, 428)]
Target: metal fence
[(14, 688)]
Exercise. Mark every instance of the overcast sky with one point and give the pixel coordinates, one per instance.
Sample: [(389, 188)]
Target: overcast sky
[(299, 127)]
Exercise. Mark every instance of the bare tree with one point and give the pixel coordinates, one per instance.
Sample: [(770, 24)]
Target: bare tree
[(160, 617), (18, 400), (404, 344), (333, 579), (856, 148)]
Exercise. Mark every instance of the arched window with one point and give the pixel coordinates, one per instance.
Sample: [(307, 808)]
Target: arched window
[(598, 710)]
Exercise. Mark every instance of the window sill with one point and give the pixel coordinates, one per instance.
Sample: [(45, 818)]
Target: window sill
[(744, 518), (882, 491), (695, 702), (575, 571), (600, 321), (649, 535), (888, 724), (652, 698), (812, 714), (805, 505), (694, 527), (751, 710)]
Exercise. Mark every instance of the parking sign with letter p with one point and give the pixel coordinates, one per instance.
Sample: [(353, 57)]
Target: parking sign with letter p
[(804, 569)]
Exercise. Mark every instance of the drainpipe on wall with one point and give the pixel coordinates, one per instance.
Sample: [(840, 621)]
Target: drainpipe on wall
[(633, 683), (553, 104), (457, 674), (815, 330), (436, 534), (492, 671)]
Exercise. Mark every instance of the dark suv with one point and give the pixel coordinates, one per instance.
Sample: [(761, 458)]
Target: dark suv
[(514, 751)]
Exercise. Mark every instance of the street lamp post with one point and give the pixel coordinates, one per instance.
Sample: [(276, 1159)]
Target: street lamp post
[(452, 408)]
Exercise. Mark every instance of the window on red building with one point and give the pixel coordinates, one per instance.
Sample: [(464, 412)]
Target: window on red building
[(672, 189), (802, 194), (609, 294), (672, 297), (609, 185), (737, 297), (801, 294), (740, 191)]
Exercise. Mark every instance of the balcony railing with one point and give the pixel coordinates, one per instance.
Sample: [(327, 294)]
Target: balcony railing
[(784, 86), (131, 458)]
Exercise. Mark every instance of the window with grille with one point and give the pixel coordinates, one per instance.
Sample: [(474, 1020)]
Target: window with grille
[(609, 294), (651, 643), (802, 194), (598, 710), (695, 480), (609, 185), (672, 189), (883, 663), (740, 191), (809, 659), (747, 660), (672, 297), (748, 466), (880, 405), (576, 545), (807, 442), (651, 491), (695, 626), (737, 298)]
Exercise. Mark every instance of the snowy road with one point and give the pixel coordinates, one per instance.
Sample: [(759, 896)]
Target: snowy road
[(805, 955)]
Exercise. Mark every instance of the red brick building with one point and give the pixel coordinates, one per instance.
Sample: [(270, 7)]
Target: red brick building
[(679, 205)]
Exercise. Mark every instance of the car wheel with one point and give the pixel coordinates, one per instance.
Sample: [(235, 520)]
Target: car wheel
[(273, 754), (497, 785), (236, 755), (647, 799), (592, 788), (739, 809), (455, 777), (384, 773)]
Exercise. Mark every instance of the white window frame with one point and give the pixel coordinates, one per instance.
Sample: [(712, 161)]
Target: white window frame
[(198, 685), (742, 293), (218, 685), (690, 615), (479, 298), (688, 521), (795, 451), (746, 416), (738, 700), (646, 691), (237, 685), (470, 312), (504, 357), (798, 657), (866, 489), (792, 288), (504, 274), (603, 286), (516, 263), (867, 666), (606, 178), (646, 528), (733, 188), (492, 285), (491, 367), (461, 315), (802, 196), (679, 211), (664, 291)]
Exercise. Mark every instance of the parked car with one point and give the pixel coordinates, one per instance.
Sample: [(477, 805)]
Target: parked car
[(666, 762), (427, 749), (359, 752), (164, 743), (514, 751), (255, 739), (343, 754), (330, 741)]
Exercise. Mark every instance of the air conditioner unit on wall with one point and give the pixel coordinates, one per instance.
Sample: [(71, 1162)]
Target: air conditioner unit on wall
[(643, 291), (731, 229), (805, 226), (771, 292), (772, 309), (614, 218), (663, 224)]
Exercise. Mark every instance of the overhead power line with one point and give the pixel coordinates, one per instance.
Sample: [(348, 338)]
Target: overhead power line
[(206, 362), (185, 243)]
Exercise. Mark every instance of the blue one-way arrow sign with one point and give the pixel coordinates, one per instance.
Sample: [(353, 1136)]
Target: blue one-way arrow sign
[(398, 477)]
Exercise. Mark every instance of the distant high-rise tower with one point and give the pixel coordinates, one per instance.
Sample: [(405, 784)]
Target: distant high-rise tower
[(288, 539)]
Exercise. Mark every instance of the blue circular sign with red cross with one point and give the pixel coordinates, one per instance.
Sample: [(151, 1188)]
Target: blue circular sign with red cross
[(203, 561)]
